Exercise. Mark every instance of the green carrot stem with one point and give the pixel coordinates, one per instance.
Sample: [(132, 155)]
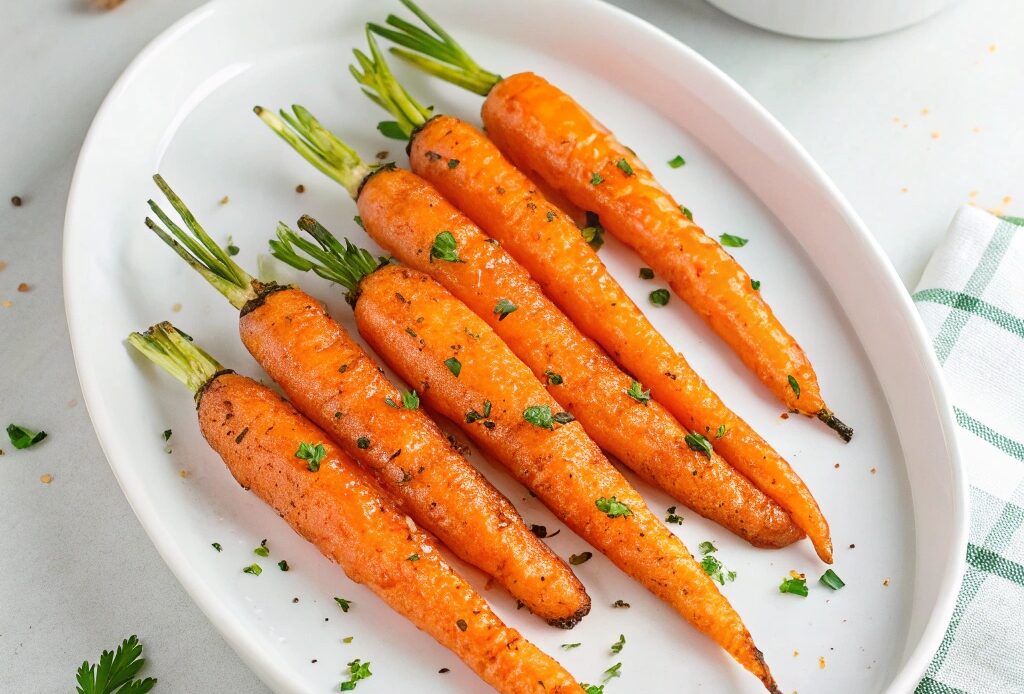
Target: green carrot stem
[(346, 264), (384, 90), (176, 353), (319, 146), (200, 251), (435, 51)]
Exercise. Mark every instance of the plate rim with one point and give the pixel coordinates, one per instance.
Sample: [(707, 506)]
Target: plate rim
[(259, 659)]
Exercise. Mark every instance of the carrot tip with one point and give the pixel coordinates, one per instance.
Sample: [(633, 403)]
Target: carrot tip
[(832, 422)]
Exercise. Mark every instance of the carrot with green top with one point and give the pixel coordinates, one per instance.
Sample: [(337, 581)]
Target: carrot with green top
[(329, 377), (508, 206), (544, 131), (468, 374), (291, 464), (406, 215)]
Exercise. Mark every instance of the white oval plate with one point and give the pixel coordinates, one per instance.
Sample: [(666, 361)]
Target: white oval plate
[(184, 108)]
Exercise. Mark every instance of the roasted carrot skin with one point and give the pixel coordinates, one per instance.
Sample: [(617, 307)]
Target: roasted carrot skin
[(542, 129), (331, 378), (404, 214), (507, 206), (343, 511), (561, 465)]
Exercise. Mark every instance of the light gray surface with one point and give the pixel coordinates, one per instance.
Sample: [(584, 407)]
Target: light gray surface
[(78, 572)]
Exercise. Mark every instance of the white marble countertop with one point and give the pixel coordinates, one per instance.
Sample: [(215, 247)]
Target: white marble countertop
[(910, 126)]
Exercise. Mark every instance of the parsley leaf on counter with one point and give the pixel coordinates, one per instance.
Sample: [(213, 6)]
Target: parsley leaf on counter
[(23, 438), (115, 672)]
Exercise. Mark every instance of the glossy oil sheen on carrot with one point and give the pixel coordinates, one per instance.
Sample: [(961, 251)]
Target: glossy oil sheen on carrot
[(542, 129), (561, 465), (343, 511), (505, 204), (403, 213), (330, 378)]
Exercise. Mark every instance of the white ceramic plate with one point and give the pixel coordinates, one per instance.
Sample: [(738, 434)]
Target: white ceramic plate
[(184, 108)]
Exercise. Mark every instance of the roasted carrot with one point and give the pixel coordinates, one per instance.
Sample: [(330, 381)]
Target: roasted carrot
[(509, 208), (335, 383), (469, 375), (340, 508), (405, 215), (544, 131)]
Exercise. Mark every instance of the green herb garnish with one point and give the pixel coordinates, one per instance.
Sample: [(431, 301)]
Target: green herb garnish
[(115, 672), (733, 241), (831, 580), (391, 129), (646, 273), (570, 646), (503, 308), (253, 569), (722, 429), (698, 443), (357, 670), (581, 558), (659, 297), (167, 434), (686, 212), (454, 365), (539, 416), (261, 551), (311, 454), (624, 167), (612, 672), (596, 179), (452, 163), (755, 284), (677, 161), (796, 586), (413, 557), (23, 438), (410, 400), (445, 248), (363, 442), (672, 517), (617, 646), (216, 546), (553, 378), (794, 385), (283, 565), (637, 392), (344, 604), (231, 248), (613, 507)]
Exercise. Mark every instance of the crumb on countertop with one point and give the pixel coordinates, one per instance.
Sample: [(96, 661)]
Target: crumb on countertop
[(992, 48), (23, 287), (300, 188), (903, 189), (16, 200), (176, 308), (795, 653), (46, 479), (1006, 201), (72, 403), (7, 303), (873, 470), (925, 111), (885, 583), (184, 473), (225, 200), (936, 135), (821, 662), (836, 466), (3, 265), (784, 415)]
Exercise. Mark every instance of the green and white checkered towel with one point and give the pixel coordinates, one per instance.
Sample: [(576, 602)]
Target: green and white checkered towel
[(971, 297)]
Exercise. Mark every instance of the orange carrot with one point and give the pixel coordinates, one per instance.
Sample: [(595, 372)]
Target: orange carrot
[(336, 384), (543, 130), (469, 375), (404, 214), (507, 206), (330, 501)]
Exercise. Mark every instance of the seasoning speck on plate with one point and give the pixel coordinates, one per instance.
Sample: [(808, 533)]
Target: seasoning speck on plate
[(46, 479), (16, 200), (225, 200), (176, 308), (821, 662)]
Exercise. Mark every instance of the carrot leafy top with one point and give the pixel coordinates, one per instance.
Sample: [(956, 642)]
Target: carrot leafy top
[(344, 263), (176, 353), (434, 51), (200, 251), (381, 87)]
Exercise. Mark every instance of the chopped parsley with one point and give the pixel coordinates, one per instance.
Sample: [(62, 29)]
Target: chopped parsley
[(646, 273), (624, 167), (613, 507), (686, 212), (262, 550), (553, 378), (391, 129), (344, 604), (831, 580), (581, 558), (410, 400), (612, 672), (659, 297), (390, 403), (231, 248), (167, 434), (621, 603), (357, 670), (253, 569), (283, 565), (593, 235), (617, 646), (216, 546), (570, 646), (115, 671), (452, 163), (672, 517), (473, 416), (677, 161), (755, 284), (311, 454), (733, 241), (722, 429), (347, 639), (794, 385), (596, 179), (503, 308), (542, 531), (454, 365), (23, 438), (712, 566), (539, 416), (413, 557), (592, 688), (796, 586), (363, 442), (698, 443), (637, 392), (563, 417), (551, 216), (445, 248)]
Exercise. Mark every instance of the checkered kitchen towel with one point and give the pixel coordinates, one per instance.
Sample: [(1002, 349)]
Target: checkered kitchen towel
[(972, 300)]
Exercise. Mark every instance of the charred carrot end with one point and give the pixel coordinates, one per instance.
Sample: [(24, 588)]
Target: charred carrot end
[(832, 422)]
